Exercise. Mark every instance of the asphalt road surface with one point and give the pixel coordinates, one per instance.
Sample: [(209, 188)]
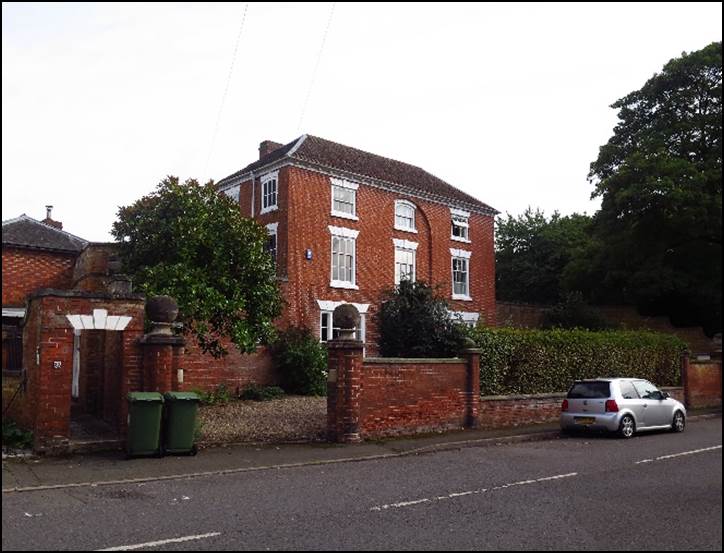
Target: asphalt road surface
[(655, 492)]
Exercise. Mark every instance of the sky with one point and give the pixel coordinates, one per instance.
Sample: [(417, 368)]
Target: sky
[(508, 102)]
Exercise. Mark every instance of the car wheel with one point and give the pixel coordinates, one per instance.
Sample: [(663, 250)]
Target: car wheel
[(627, 427), (679, 422)]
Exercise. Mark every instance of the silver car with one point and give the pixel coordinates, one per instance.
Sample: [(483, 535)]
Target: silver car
[(622, 405)]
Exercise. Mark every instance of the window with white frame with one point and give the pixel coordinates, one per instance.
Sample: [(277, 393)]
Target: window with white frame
[(344, 199), (328, 330), (405, 260), (343, 257), (271, 244), (405, 216), (460, 274), (460, 225), (269, 192)]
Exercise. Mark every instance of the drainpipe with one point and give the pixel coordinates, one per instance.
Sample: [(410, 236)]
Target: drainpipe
[(253, 198)]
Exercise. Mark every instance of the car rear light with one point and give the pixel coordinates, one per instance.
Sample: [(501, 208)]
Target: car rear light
[(564, 407), (611, 406)]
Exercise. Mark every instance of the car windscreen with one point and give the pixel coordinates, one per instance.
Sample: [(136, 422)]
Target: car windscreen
[(590, 390)]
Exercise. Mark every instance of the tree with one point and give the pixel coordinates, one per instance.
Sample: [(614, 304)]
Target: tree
[(534, 255), (660, 181), (192, 243), (414, 321)]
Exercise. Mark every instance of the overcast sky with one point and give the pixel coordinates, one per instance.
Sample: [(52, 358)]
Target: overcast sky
[(509, 102)]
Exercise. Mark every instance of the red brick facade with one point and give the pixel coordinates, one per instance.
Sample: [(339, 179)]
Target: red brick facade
[(303, 218), (26, 270)]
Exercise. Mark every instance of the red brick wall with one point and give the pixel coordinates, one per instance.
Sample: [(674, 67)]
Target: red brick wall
[(704, 384), (512, 411), (401, 397), (235, 370), (25, 271)]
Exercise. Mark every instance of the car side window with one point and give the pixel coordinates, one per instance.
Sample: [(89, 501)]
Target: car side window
[(646, 390), (628, 391)]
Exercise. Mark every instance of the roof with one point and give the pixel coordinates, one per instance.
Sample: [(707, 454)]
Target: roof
[(399, 176), (26, 232)]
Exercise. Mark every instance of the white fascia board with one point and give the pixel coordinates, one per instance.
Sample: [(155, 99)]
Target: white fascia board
[(460, 253), (325, 305), (343, 232), (404, 244)]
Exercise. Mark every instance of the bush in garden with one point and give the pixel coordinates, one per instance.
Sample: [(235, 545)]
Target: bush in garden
[(301, 361)]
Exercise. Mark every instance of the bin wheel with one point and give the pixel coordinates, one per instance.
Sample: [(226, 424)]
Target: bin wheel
[(194, 450)]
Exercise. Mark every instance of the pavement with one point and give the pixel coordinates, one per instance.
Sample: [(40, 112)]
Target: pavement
[(24, 474)]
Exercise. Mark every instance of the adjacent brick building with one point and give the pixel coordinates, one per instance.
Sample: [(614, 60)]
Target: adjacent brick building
[(346, 225)]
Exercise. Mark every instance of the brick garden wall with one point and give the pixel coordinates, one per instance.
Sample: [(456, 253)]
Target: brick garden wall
[(704, 384)]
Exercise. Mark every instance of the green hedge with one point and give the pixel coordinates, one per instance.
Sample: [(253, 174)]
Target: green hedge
[(521, 361)]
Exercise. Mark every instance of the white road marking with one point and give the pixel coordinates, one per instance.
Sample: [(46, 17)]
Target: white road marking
[(664, 457), (470, 492), (161, 542)]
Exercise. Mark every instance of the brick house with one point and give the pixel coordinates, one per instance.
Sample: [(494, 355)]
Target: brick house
[(35, 254), (345, 225)]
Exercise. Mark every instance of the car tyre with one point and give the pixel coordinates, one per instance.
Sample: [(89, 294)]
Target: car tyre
[(679, 422), (627, 427)]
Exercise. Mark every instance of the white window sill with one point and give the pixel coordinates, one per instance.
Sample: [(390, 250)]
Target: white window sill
[(406, 229), (268, 209), (458, 239), (344, 215), (461, 297), (343, 284)]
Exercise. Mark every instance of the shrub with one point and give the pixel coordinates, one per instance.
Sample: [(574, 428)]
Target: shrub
[(302, 362), (220, 395), (414, 321), (522, 361), (254, 392), (15, 437)]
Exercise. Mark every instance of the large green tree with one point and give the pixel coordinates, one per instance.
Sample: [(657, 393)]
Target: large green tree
[(658, 232), (188, 241), (534, 254)]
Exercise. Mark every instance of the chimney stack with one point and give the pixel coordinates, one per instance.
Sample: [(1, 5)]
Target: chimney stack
[(49, 220), (267, 147)]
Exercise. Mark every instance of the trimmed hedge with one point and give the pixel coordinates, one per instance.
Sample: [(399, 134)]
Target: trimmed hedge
[(522, 361)]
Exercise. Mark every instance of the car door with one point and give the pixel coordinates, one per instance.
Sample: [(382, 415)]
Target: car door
[(656, 409), (631, 400)]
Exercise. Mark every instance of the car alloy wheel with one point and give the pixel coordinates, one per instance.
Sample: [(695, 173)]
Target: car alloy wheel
[(627, 427), (679, 422)]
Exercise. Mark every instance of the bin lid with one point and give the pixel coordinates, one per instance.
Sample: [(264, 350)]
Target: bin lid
[(145, 396), (181, 396)]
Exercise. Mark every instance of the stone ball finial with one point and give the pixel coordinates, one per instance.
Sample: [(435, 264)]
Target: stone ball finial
[(347, 318), (162, 309)]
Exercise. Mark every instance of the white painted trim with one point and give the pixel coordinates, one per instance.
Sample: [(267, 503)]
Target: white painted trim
[(326, 305), (343, 215), (406, 203), (404, 244), (343, 284), (269, 176), (467, 316), (343, 183), (297, 145), (100, 320), (463, 240), (462, 297), (460, 253), (344, 232), (459, 212), (272, 227), (18, 312), (403, 229)]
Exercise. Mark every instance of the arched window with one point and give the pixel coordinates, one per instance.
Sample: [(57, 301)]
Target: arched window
[(405, 216)]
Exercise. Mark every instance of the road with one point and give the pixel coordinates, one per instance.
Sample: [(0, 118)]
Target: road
[(655, 492)]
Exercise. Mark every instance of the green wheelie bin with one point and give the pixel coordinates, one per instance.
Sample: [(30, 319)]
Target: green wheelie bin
[(145, 411), (180, 427)]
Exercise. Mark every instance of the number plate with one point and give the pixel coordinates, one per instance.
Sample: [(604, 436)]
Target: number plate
[(585, 420)]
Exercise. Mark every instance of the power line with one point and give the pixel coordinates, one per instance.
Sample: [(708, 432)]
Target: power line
[(226, 89), (316, 66)]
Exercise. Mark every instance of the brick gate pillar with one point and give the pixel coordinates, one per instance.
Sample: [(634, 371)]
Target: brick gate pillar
[(344, 380), (161, 347), (472, 388)]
